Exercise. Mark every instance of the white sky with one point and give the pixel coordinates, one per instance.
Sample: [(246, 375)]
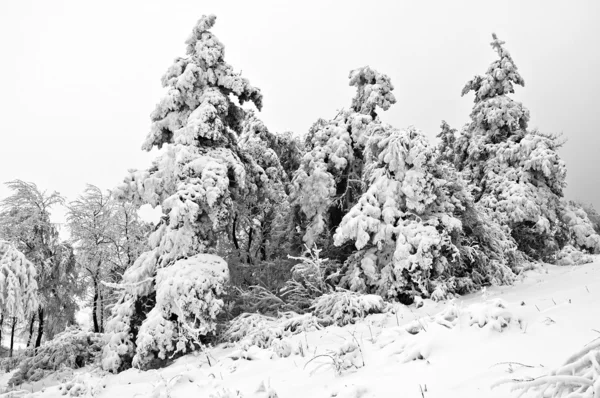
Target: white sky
[(80, 78)]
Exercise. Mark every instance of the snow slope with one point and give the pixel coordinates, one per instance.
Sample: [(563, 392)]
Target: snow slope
[(539, 321)]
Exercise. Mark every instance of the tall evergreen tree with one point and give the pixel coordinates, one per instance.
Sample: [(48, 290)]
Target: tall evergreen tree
[(515, 173), (328, 182), (169, 294)]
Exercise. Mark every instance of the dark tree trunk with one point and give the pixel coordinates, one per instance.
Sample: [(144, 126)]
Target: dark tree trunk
[(38, 341), (95, 308), (12, 336), (1, 327), (249, 258), (31, 331), (101, 302), (233, 233)]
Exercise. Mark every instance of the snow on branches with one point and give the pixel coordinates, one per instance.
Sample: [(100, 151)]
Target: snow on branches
[(195, 180), (18, 287), (330, 171), (514, 172)]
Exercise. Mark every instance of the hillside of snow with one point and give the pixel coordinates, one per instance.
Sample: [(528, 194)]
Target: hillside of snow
[(456, 348)]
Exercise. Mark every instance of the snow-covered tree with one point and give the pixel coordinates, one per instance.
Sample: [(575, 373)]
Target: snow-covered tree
[(25, 221), (260, 221), (108, 236), (328, 182), (404, 221), (581, 229), (592, 214), (516, 173), (18, 288), (169, 300), (447, 136), (409, 226)]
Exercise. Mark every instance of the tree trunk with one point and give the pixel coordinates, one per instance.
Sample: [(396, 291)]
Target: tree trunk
[(233, 233), (38, 341), (101, 301), (31, 331), (12, 336), (95, 308), (249, 258), (1, 327)]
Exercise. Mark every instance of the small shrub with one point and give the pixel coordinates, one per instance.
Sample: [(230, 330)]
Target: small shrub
[(344, 307), (572, 256), (308, 281), (72, 349)]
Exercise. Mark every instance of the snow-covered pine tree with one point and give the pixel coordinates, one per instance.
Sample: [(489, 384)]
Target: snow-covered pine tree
[(516, 173), (404, 221), (260, 220), (170, 294), (447, 139), (328, 182), (416, 228)]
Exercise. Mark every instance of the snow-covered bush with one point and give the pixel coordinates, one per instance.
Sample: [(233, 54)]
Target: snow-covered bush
[(495, 314), (265, 331), (592, 214), (82, 385), (308, 281), (578, 377), (72, 349), (569, 255), (253, 329), (515, 173), (347, 356), (581, 229), (197, 179), (345, 307)]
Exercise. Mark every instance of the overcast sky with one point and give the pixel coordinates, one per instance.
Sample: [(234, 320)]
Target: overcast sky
[(80, 78)]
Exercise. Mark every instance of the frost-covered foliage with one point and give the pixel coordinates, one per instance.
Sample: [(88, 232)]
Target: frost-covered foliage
[(578, 377), (404, 221), (82, 385), (25, 221), (347, 356), (186, 291), (308, 281), (447, 142), (581, 229), (196, 180), (569, 255), (108, 236), (345, 307), (260, 225), (592, 214), (328, 181), (185, 307), (416, 227), (18, 287), (495, 314), (72, 349), (517, 174), (267, 332)]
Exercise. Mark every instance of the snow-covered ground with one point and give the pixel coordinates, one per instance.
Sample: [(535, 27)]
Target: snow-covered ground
[(437, 350)]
